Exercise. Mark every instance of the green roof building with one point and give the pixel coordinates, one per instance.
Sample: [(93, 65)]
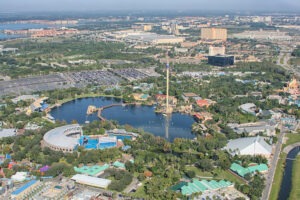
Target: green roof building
[(118, 164), (242, 171), (92, 170), (196, 186)]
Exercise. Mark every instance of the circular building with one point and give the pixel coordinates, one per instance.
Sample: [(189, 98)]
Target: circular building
[(64, 138)]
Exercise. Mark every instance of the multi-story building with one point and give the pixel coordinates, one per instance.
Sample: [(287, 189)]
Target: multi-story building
[(213, 51), (214, 34), (221, 60)]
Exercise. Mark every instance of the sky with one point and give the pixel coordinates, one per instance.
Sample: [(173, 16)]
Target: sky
[(98, 5)]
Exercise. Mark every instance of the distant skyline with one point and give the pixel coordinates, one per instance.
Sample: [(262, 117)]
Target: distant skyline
[(98, 5)]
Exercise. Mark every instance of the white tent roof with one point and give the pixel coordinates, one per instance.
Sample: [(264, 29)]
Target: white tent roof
[(249, 146)]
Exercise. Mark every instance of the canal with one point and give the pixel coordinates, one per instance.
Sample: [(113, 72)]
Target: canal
[(286, 184)]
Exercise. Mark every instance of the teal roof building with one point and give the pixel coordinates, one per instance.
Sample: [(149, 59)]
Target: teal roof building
[(242, 171), (92, 170), (196, 186)]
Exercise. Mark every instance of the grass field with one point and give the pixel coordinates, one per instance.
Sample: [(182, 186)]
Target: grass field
[(295, 61), (292, 139), (295, 192), (217, 174)]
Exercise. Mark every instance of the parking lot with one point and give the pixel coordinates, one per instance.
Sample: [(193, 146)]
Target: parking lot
[(33, 84), (130, 74), (96, 77)]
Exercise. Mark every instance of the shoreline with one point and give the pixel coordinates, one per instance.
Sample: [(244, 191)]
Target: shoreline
[(61, 102)]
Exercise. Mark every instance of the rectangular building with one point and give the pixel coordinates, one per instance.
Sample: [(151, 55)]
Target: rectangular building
[(221, 60), (91, 181), (214, 34), (213, 51)]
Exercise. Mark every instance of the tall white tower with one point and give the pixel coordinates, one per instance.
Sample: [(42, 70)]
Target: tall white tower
[(168, 108)]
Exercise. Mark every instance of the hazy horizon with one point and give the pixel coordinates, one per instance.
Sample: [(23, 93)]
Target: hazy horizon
[(106, 5)]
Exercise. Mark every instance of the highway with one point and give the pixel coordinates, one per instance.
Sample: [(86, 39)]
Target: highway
[(273, 165), (285, 56)]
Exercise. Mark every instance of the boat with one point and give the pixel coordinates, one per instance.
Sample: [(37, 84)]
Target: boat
[(50, 117)]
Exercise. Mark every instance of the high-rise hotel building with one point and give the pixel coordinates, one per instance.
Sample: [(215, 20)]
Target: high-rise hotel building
[(214, 34)]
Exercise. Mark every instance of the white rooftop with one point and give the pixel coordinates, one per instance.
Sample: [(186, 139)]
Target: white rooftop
[(58, 136), (249, 146), (92, 181), (7, 132)]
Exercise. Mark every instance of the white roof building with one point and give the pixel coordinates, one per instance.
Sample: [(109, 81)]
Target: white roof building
[(64, 138), (250, 108), (254, 128), (249, 146), (7, 132), (19, 176), (92, 181)]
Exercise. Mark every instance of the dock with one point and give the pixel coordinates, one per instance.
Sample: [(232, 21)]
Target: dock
[(92, 109)]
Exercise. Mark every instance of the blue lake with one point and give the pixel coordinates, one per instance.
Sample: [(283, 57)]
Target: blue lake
[(176, 126)]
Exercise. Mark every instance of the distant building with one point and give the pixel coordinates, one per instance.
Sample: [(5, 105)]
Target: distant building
[(249, 146), (264, 35), (161, 98), (147, 27), (7, 132), (140, 97), (91, 181), (28, 188), (292, 87), (174, 29), (181, 50), (204, 102), (214, 34), (188, 95), (39, 105), (213, 51), (203, 116), (221, 60), (250, 108), (265, 127)]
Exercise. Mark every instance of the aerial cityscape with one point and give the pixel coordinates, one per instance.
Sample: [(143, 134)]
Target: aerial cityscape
[(137, 100)]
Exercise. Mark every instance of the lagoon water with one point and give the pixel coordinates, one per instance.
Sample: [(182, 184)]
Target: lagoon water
[(176, 126)]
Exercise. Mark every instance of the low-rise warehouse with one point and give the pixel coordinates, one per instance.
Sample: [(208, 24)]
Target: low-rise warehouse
[(91, 181)]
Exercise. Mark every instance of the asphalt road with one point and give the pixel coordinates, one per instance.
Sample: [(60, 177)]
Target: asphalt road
[(272, 169)]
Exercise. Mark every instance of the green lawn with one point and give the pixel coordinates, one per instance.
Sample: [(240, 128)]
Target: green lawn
[(220, 174), (295, 61), (295, 192), (225, 174), (199, 172), (278, 177), (292, 138)]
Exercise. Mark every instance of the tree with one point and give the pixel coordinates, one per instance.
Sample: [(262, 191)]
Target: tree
[(190, 174), (205, 164)]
